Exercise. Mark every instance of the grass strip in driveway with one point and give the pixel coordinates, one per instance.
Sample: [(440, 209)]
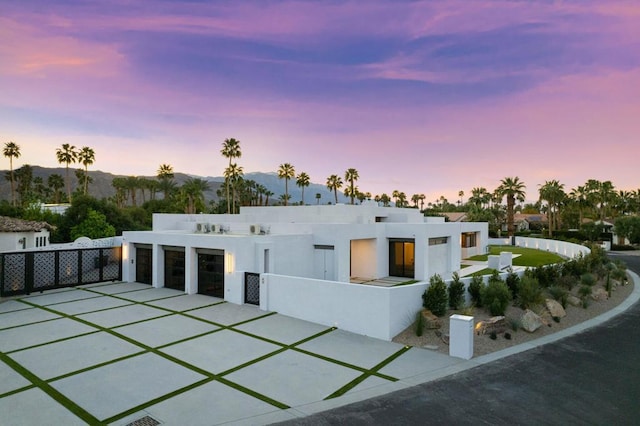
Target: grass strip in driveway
[(372, 372), (50, 390), (209, 376)]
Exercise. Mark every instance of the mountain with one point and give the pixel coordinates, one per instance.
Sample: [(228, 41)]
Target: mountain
[(101, 186)]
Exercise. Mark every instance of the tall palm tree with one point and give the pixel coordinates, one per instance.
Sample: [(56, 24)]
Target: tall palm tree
[(553, 193), (334, 183), (402, 199), (230, 149), (56, 183), (232, 175), (351, 175), (165, 175), (479, 196), (514, 189), (303, 180), (86, 157), (286, 171), (579, 196), (415, 198), (132, 184), (461, 195), (422, 197), (385, 200), (12, 150), (67, 155)]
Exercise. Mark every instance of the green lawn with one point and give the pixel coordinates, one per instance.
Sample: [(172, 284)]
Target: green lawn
[(528, 257)]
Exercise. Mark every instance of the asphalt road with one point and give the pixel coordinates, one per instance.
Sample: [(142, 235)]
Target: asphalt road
[(591, 378)]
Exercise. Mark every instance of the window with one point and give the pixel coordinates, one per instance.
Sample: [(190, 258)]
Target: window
[(438, 241), (468, 239)]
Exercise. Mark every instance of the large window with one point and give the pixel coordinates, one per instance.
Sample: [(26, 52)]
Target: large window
[(468, 239), (402, 258)]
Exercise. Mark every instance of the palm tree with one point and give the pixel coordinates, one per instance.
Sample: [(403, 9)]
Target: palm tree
[(553, 193), (385, 200), (422, 197), (351, 175), (514, 189), (267, 193), (131, 184), (286, 171), (395, 194), (334, 183), (56, 183), (402, 200), (415, 198), (193, 193), (479, 196), (580, 197), (461, 195), (67, 154), (230, 149), (232, 174), (165, 176), (86, 157), (12, 150), (303, 180)]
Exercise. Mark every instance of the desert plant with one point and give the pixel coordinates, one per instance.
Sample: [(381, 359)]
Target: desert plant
[(435, 296), (588, 279), (567, 281), (419, 324), (514, 323), (512, 282), (529, 292), (493, 335), (456, 291), (468, 310), (475, 286), (495, 295), (620, 274), (584, 291), (560, 294)]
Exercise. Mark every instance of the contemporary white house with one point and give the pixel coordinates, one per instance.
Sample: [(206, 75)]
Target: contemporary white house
[(233, 256)]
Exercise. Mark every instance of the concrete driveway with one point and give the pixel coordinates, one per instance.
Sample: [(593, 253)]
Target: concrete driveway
[(126, 353)]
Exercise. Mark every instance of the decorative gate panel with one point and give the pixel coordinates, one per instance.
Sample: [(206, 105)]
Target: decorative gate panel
[(252, 288), (44, 268)]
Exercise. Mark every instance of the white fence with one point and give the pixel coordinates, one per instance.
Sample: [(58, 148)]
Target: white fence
[(380, 312), (563, 248)]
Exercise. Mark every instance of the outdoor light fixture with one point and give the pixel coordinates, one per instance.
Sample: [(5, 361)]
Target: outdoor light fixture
[(229, 263)]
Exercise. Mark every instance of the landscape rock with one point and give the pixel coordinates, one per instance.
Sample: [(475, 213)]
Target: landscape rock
[(530, 321), (574, 300), (430, 320), (492, 325), (599, 294), (555, 308)]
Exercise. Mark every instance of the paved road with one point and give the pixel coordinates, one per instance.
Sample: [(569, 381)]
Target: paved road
[(592, 378)]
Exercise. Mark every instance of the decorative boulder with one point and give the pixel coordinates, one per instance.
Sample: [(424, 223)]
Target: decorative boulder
[(492, 325), (430, 320), (530, 321), (555, 308), (573, 300), (599, 294)]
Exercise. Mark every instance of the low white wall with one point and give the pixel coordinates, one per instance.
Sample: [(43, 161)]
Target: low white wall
[(563, 248), (380, 312)]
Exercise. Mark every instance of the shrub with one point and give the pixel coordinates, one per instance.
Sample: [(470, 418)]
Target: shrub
[(566, 281), (512, 282), (475, 286), (495, 295), (468, 310), (435, 297), (529, 292), (588, 279), (546, 275), (456, 292), (584, 292), (514, 323), (560, 294)]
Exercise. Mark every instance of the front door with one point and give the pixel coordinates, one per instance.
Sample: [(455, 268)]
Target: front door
[(211, 274), (174, 269), (144, 265)]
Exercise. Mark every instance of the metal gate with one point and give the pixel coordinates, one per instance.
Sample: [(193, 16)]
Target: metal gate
[(252, 288), (27, 271)]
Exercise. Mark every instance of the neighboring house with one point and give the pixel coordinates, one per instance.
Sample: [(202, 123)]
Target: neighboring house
[(211, 254), (456, 216), (528, 222), (18, 234)]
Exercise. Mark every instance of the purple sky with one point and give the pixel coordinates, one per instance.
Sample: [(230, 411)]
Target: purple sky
[(426, 97)]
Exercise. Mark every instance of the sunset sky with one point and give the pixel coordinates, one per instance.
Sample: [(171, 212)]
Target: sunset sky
[(427, 97)]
